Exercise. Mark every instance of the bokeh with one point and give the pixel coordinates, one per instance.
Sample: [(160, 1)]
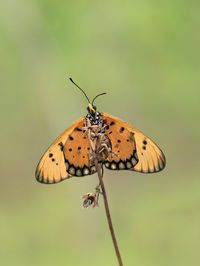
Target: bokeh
[(145, 55)]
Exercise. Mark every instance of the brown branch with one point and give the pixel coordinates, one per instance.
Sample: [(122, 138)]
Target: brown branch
[(100, 149), (108, 215)]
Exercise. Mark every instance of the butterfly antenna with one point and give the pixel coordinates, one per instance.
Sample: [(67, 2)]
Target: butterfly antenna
[(79, 89), (97, 96)]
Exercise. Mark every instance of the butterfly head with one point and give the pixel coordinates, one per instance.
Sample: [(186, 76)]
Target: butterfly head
[(93, 115)]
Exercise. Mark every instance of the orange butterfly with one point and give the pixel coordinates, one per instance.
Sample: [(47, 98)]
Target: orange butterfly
[(69, 155)]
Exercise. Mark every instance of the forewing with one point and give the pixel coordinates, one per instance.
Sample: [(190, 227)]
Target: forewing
[(52, 166), (77, 152), (131, 149)]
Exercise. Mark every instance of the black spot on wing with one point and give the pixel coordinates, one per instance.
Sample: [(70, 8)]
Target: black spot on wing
[(61, 146), (78, 129), (79, 171), (127, 164), (121, 129)]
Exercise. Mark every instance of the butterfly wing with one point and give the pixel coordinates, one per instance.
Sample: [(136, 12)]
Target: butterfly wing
[(131, 149), (69, 154), (77, 152), (66, 157)]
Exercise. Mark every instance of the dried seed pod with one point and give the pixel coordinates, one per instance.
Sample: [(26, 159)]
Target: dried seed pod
[(89, 199)]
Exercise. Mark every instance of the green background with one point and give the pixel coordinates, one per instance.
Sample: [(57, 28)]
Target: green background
[(145, 55)]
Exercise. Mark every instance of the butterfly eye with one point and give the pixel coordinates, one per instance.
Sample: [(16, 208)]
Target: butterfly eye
[(90, 117)]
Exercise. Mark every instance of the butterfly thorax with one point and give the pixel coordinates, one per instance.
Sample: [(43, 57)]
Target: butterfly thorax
[(99, 142)]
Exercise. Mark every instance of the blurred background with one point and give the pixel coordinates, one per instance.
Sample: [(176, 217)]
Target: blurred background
[(145, 55)]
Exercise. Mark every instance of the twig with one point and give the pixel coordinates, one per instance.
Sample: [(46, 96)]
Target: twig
[(108, 215), (100, 149)]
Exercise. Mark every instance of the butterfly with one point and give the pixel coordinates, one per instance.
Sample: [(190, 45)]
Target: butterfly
[(69, 154)]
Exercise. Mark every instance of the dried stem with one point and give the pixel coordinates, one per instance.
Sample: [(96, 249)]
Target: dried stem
[(108, 215), (100, 149)]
